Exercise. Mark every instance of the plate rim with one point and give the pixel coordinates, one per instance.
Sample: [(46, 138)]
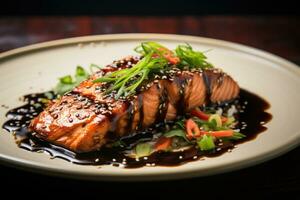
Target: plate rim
[(187, 173)]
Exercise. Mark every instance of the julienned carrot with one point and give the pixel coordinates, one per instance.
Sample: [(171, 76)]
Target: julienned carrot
[(202, 115), (163, 143), (218, 134), (192, 129)]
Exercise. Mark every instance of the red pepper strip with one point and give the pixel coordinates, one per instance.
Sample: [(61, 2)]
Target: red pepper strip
[(169, 55), (163, 143), (192, 129), (201, 115)]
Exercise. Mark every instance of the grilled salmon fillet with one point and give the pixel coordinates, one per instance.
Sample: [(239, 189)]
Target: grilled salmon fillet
[(87, 118)]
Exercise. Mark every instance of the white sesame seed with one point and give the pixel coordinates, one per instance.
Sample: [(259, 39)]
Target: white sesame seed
[(153, 164), (114, 160), (218, 149), (97, 160), (195, 157), (180, 157), (148, 164), (262, 122), (137, 159), (145, 158)]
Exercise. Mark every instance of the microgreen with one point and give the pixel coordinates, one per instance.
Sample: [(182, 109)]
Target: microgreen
[(67, 83)]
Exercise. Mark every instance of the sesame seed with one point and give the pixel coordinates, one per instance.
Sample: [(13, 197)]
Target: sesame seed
[(114, 160), (79, 107), (97, 160), (180, 157), (148, 164), (145, 158), (195, 157)]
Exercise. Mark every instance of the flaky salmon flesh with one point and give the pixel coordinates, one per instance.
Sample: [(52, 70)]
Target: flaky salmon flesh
[(86, 118)]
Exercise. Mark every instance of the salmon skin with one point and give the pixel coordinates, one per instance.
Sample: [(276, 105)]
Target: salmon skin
[(87, 118)]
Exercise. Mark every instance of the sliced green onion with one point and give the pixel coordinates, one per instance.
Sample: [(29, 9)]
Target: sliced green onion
[(143, 149), (216, 119), (206, 143), (192, 59)]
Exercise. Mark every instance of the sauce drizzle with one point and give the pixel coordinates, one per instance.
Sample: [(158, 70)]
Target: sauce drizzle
[(252, 116)]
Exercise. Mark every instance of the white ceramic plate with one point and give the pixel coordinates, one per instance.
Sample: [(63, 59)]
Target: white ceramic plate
[(36, 68)]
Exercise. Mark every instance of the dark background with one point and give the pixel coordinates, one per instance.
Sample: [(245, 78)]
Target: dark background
[(273, 26), (147, 7)]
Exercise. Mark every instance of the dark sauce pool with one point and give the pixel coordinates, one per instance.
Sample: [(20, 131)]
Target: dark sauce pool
[(251, 115)]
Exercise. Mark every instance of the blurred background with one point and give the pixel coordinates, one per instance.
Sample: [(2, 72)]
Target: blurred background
[(273, 26), (269, 25)]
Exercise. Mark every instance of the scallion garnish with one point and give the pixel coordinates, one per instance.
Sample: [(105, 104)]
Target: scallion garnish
[(190, 58), (126, 81), (156, 58)]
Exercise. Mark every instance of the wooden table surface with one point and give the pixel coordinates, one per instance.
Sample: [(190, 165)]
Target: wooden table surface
[(277, 34)]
